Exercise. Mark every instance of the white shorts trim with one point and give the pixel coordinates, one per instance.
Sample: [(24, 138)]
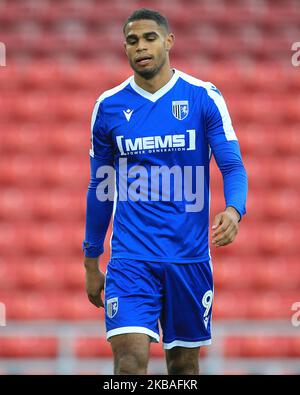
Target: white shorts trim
[(133, 329), (179, 343)]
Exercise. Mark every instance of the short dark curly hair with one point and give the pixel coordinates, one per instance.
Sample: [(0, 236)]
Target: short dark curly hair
[(145, 13)]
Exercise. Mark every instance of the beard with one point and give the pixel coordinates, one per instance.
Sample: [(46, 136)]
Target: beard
[(150, 73)]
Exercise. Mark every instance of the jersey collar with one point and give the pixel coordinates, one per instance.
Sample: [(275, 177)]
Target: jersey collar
[(158, 94)]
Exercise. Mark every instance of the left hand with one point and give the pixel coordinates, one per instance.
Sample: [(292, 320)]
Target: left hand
[(94, 281), (225, 227)]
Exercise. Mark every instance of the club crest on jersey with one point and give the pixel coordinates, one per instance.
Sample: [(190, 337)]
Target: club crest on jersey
[(180, 109), (112, 307)]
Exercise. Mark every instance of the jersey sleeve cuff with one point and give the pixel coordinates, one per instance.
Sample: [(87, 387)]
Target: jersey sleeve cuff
[(92, 251)]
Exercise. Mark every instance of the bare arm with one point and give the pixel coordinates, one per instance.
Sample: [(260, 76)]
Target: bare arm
[(94, 281)]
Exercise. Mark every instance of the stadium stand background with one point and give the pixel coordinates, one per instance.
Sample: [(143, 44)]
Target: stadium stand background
[(60, 56)]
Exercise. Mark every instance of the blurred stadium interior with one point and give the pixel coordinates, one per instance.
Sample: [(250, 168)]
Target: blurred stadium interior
[(61, 55)]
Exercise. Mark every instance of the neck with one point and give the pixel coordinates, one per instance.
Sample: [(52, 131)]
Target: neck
[(157, 82)]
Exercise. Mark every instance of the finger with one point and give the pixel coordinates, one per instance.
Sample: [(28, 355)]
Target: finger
[(222, 243), (226, 239), (92, 300), (98, 300), (223, 228), (227, 224), (95, 300), (217, 221), (226, 235), (101, 303)]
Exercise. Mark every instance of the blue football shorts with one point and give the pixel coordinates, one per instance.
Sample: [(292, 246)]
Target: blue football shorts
[(140, 296)]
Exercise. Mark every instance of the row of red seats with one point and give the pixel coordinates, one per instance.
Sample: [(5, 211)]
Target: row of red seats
[(43, 204), (48, 347), (71, 171), (57, 45), (49, 305), (236, 39), (78, 28), (69, 204), (92, 347), (28, 347), (69, 138), (262, 346), (74, 138), (63, 273), (257, 272), (40, 107), (178, 13), (39, 170), (265, 76), (246, 346), (42, 273), (242, 346), (268, 140), (38, 238), (74, 305)]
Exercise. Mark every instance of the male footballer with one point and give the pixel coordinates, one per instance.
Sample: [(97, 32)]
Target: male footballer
[(152, 140)]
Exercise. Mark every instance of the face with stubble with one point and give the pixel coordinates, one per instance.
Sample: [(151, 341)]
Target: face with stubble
[(147, 47)]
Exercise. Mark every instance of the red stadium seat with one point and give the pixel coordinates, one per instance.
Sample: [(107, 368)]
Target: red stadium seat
[(63, 305), (28, 347), (41, 237), (290, 145), (92, 348), (266, 305), (9, 275), (261, 347), (63, 203), (253, 305), (230, 305), (35, 171), (12, 203), (273, 204), (53, 139), (72, 138), (20, 170), (67, 171), (76, 306), (31, 306), (256, 272), (42, 273)]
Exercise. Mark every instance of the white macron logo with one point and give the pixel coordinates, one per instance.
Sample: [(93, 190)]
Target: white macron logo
[(128, 114)]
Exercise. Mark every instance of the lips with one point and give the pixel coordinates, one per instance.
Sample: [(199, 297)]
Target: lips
[(143, 60)]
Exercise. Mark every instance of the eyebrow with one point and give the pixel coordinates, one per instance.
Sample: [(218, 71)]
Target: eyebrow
[(144, 35)]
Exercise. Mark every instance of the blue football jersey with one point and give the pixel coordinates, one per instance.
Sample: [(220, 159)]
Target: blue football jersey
[(159, 147)]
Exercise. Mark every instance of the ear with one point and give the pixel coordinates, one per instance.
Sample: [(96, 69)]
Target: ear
[(170, 41)]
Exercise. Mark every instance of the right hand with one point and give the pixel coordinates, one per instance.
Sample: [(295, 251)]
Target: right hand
[(94, 281)]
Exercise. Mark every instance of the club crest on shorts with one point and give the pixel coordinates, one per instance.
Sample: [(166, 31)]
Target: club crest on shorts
[(112, 307), (180, 109)]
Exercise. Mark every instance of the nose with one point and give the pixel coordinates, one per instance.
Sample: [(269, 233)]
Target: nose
[(142, 45)]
